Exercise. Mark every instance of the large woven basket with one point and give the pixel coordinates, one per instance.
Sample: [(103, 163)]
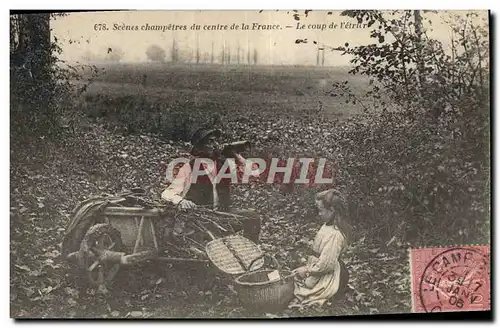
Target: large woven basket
[(256, 292), (235, 254)]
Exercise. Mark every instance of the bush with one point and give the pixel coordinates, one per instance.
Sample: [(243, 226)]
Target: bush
[(417, 182)]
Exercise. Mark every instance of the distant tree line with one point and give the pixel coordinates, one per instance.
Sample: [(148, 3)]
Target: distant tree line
[(174, 54)]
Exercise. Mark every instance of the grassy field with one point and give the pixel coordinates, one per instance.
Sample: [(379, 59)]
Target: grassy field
[(240, 88)]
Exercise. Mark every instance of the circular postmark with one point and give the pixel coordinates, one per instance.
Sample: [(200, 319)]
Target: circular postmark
[(456, 280)]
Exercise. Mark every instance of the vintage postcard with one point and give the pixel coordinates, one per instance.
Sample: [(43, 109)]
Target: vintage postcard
[(249, 164)]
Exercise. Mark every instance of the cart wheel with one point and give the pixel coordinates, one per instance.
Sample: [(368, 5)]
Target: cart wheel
[(100, 237)]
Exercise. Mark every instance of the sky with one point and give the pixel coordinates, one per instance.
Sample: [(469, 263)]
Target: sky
[(78, 35)]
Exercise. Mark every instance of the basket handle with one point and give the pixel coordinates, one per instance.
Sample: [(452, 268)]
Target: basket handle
[(255, 260), (273, 259)]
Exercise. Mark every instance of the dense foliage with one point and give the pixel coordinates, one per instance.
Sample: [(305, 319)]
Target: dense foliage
[(423, 170)]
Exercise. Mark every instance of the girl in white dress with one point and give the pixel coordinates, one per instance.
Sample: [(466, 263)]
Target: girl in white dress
[(325, 275)]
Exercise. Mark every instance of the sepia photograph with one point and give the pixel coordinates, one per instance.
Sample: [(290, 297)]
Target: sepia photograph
[(209, 164)]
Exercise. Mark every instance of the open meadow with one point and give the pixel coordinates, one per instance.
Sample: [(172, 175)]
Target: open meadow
[(255, 90)]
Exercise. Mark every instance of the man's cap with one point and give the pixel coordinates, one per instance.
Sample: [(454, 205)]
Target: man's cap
[(202, 134)]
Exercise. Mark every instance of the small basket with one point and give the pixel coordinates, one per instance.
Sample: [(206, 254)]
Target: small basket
[(256, 292), (240, 257)]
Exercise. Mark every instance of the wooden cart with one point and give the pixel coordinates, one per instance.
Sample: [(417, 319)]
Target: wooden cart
[(110, 232)]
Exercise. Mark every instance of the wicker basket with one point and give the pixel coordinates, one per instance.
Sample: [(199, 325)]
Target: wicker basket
[(235, 254), (256, 292), (241, 258)]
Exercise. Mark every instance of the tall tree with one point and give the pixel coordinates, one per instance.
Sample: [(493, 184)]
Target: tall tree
[(248, 56), (39, 81), (31, 56), (223, 54), (238, 50), (155, 53), (418, 45), (174, 52), (228, 55), (197, 50), (212, 54)]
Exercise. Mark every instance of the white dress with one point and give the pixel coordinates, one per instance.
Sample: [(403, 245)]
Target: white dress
[(329, 244)]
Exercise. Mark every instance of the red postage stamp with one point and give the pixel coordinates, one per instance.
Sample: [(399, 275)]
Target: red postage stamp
[(451, 278)]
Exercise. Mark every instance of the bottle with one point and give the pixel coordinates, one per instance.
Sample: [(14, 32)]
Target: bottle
[(230, 149)]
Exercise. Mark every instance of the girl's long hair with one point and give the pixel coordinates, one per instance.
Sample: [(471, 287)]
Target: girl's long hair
[(335, 201)]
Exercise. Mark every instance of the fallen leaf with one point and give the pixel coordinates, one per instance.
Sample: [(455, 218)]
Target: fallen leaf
[(271, 315), (136, 314), (29, 291), (71, 301), (23, 267), (71, 291)]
